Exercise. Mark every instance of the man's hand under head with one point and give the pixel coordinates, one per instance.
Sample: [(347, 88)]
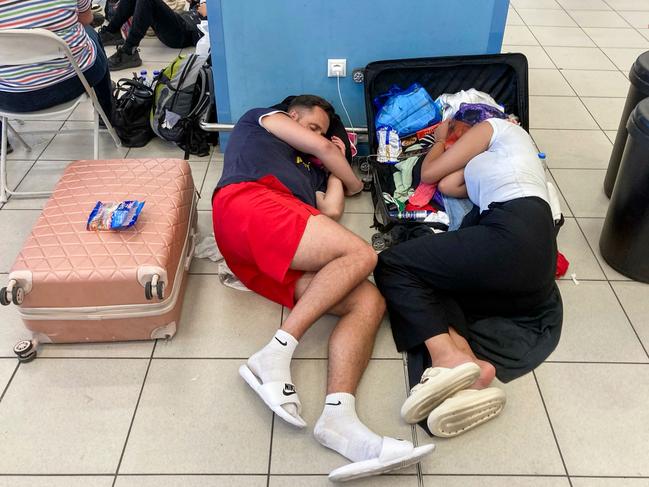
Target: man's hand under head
[(308, 141)]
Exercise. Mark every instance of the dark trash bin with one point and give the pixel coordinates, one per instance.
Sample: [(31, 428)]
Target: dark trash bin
[(624, 242), (639, 90)]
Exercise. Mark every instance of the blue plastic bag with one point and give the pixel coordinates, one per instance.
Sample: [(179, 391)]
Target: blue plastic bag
[(406, 111)]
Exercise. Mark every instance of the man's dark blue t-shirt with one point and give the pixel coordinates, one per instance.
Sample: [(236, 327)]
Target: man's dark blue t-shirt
[(253, 153)]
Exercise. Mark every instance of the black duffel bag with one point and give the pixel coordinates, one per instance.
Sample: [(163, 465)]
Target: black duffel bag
[(132, 101)]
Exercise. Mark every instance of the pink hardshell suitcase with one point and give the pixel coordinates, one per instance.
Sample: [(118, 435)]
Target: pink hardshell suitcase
[(74, 285)]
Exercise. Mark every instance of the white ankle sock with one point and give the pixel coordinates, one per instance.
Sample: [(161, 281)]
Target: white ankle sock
[(340, 429), (273, 362)]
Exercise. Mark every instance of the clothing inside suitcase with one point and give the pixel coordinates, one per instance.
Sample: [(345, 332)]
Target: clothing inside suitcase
[(503, 76)]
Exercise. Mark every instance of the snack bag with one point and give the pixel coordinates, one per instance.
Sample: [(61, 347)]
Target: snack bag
[(114, 216)]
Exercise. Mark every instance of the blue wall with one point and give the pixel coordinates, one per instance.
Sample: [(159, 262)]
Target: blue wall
[(264, 50)]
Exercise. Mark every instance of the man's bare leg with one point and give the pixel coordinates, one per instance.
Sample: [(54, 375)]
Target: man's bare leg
[(337, 261), (350, 348), (340, 261)]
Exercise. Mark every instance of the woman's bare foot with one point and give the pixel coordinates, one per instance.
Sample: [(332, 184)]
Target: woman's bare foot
[(487, 370)]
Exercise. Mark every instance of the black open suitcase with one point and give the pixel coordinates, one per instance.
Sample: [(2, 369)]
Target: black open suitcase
[(503, 76)]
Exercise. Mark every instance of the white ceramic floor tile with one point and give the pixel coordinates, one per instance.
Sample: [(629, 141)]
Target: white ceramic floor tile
[(361, 203), (608, 482), (565, 209), (551, 4), (559, 112), (519, 35), (628, 5), (574, 149), (592, 228), (612, 135), (600, 416), (616, 37), (322, 481), (379, 399), (580, 58), (583, 188), (634, 297), (359, 223), (199, 169), (549, 82), (191, 481), (43, 176), (212, 178), (606, 111), (15, 226), (583, 4), (7, 367), (597, 18), (62, 481), (315, 343), (595, 328), (37, 142), (555, 18), (561, 36), (574, 246), (16, 171), (597, 83), (519, 441), (483, 481), (218, 321), (83, 425), (68, 147), (624, 57), (637, 19), (198, 416), (513, 18), (154, 51), (536, 56), (645, 33), (83, 113)]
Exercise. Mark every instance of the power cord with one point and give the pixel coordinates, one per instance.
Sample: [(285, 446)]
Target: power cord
[(351, 125)]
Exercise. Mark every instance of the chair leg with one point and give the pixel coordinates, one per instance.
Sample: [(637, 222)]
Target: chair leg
[(3, 161), (27, 147), (96, 135)]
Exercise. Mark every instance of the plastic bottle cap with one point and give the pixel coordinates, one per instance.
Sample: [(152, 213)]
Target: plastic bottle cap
[(143, 71), (541, 155)]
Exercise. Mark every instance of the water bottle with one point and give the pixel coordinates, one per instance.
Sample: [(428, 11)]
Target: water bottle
[(143, 74), (418, 215)]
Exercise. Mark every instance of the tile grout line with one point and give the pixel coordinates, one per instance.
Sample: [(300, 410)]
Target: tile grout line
[(137, 404), (6, 388), (628, 319), (554, 435)]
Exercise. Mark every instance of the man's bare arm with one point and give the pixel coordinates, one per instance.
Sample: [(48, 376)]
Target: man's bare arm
[(332, 202), (304, 140)]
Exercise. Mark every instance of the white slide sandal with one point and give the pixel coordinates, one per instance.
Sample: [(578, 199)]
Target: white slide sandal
[(275, 395), (466, 410), (437, 383), (395, 454)]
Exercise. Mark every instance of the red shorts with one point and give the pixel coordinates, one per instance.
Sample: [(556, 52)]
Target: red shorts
[(258, 227)]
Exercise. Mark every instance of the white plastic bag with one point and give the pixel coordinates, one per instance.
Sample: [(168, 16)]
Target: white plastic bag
[(451, 102), (203, 45)]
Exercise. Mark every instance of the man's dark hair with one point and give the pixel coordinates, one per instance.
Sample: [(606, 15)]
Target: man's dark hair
[(310, 101)]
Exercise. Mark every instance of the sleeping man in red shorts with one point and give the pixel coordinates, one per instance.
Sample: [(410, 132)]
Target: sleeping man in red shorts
[(274, 216)]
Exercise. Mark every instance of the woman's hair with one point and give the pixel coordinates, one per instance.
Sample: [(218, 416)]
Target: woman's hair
[(310, 101)]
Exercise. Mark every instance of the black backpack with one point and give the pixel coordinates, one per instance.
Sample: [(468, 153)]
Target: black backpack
[(132, 101)]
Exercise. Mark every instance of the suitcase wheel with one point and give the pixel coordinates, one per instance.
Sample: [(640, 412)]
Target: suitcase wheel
[(4, 301), (381, 241), (25, 350), (154, 285), (148, 293), (17, 295), (364, 166)]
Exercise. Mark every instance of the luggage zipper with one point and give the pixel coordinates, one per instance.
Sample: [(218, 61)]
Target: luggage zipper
[(122, 311)]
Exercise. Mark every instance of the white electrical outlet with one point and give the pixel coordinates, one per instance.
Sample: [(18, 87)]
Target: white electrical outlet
[(336, 67)]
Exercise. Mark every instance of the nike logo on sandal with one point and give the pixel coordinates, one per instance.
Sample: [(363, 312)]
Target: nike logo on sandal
[(289, 390)]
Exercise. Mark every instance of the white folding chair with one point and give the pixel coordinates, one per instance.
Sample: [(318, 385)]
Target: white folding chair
[(29, 46)]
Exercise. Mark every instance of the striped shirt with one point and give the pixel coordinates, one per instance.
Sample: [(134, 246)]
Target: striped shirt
[(58, 16)]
